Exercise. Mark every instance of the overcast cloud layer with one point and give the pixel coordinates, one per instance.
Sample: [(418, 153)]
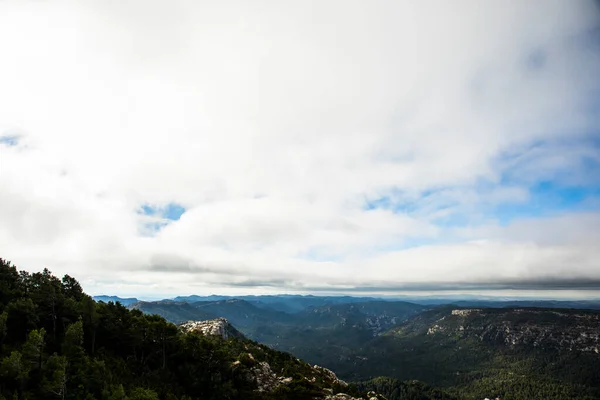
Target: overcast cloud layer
[(312, 146)]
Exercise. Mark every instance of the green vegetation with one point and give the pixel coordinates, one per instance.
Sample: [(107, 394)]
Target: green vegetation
[(470, 356), (470, 359), (57, 343), (393, 389)]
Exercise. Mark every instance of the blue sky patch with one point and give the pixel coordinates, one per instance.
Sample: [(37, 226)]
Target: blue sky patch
[(159, 217), (548, 198), (171, 211), (10, 140)]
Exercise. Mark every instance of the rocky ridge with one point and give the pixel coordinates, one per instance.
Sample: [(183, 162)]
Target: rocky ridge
[(571, 331)]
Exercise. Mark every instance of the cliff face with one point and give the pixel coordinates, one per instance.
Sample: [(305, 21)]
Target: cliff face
[(546, 329), (480, 352)]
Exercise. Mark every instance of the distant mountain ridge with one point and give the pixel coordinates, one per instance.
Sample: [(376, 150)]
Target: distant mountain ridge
[(574, 304), (289, 303), (172, 311), (292, 303), (115, 299)]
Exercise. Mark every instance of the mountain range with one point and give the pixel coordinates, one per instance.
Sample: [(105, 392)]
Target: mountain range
[(295, 303), (472, 349)]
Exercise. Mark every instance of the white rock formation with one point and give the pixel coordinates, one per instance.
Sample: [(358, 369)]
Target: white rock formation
[(218, 327)]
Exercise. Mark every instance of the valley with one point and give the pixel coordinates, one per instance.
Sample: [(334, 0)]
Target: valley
[(316, 333), (508, 350)]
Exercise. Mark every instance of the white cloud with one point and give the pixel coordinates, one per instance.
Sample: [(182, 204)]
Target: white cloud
[(274, 123)]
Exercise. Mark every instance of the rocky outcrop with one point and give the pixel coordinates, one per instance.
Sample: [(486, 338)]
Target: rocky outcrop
[(330, 375), (217, 327), (464, 313), (343, 396), (266, 380)]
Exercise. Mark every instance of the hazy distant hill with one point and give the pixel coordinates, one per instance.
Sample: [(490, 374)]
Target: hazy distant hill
[(575, 304), (283, 302), (114, 299), (297, 303), (175, 312), (243, 314)]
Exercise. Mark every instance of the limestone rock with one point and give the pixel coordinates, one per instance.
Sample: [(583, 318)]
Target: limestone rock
[(217, 327)]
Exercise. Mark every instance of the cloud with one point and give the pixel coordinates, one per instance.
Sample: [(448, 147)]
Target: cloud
[(201, 147)]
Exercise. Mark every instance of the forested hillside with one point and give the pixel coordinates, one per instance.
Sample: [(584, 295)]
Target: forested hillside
[(57, 343), (518, 354)]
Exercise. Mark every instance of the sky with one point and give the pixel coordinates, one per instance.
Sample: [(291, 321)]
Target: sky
[(152, 148)]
